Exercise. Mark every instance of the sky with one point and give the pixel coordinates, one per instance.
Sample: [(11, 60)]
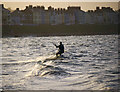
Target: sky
[(59, 0), (84, 5)]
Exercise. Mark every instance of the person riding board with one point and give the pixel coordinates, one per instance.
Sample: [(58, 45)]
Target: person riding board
[(60, 50)]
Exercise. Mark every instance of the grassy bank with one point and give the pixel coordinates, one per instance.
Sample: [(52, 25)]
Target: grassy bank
[(59, 30)]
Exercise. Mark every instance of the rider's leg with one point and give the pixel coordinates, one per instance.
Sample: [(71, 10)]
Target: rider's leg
[(58, 53)]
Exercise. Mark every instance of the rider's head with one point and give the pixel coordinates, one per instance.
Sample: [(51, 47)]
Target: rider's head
[(60, 42)]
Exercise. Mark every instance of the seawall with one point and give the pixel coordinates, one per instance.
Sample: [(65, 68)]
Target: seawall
[(58, 30)]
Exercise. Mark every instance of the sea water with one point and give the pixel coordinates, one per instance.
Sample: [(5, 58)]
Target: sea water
[(89, 63)]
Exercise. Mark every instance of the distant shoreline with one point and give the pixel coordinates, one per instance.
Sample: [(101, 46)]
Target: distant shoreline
[(58, 30)]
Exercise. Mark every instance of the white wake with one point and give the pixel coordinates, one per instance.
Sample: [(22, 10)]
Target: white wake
[(41, 59)]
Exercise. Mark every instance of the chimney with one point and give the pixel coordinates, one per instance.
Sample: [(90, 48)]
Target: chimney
[(103, 7), (89, 11), (30, 6), (49, 8), (2, 5), (26, 7), (58, 9), (38, 7), (97, 8), (68, 7), (34, 7), (17, 9), (42, 7)]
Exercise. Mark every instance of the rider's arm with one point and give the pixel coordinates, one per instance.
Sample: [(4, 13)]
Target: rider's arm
[(56, 46)]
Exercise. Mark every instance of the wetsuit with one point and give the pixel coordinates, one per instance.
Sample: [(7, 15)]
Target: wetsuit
[(61, 49)]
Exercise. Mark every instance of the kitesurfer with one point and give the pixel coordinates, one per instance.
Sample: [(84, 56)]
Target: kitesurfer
[(60, 50)]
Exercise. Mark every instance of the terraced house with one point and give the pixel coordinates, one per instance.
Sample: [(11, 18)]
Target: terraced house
[(38, 15)]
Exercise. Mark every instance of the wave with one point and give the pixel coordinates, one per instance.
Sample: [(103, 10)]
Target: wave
[(41, 66), (44, 69), (47, 67), (38, 59)]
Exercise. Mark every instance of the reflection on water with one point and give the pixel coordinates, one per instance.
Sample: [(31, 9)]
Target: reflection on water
[(89, 63)]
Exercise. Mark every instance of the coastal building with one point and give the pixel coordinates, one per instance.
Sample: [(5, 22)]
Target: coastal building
[(6, 16), (75, 12), (59, 16), (42, 15), (37, 20), (87, 18), (108, 15), (91, 17), (118, 12), (53, 18), (37, 15), (72, 18), (63, 15), (51, 15), (47, 17), (67, 18), (16, 17), (81, 15), (28, 15)]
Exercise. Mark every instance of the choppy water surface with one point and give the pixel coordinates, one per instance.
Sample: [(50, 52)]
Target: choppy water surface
[(89, 63)]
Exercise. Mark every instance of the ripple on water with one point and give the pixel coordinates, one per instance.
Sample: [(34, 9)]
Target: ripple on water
[(89, 62)]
